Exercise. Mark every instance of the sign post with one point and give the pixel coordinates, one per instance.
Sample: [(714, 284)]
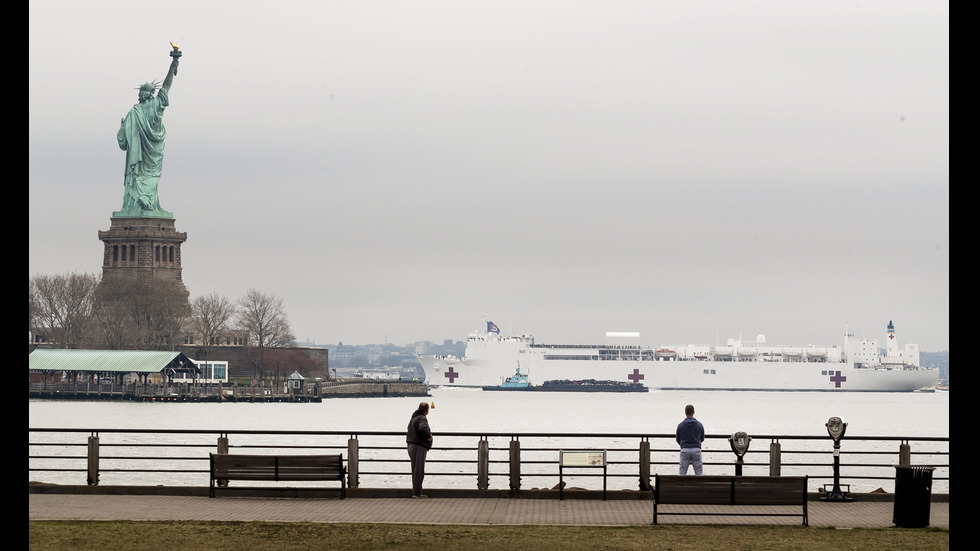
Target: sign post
[(581, 459)]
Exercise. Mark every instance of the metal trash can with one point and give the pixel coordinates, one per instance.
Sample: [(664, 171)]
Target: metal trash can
[(913, 496)]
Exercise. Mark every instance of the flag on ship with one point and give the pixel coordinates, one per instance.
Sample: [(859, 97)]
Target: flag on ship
[(492, 327)]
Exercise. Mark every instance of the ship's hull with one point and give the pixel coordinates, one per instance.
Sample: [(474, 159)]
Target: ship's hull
[(490, 361)]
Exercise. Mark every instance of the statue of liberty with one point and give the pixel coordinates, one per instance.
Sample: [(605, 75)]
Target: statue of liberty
[(141, 135)]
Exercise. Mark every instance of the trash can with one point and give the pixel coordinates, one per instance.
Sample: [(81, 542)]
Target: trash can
[(913, 496)]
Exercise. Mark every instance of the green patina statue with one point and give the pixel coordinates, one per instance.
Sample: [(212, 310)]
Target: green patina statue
[(141, 135)]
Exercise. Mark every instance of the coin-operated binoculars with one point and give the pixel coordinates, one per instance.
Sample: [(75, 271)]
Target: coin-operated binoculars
[(836, 428), (740, 445)]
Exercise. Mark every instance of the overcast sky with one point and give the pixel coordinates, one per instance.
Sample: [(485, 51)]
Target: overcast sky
[(397, 170)]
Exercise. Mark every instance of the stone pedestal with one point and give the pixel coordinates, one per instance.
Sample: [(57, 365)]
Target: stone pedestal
[(142, 248)]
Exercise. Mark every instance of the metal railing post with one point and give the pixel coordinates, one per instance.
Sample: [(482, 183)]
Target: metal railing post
[(775, 453), (483, 464), (352, 477), (93, 460), (905, 454), (222, 448), (645, 464), (515, 464)]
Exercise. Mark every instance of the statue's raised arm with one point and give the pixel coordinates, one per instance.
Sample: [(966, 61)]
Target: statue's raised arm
[(142, 135), (175, 54)]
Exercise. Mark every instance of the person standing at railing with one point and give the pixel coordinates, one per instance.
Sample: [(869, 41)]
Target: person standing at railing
[(690, 434), (419, 440)]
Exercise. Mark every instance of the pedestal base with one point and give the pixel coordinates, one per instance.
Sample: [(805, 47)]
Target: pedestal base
[(145, 247)]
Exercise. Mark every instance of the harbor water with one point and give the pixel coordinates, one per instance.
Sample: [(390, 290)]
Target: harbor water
[(918, 414)]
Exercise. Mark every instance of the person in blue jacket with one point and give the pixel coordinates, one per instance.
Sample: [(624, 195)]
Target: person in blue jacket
[(690, 434)]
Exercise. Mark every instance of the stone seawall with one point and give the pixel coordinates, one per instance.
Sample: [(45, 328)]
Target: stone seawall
[(374, 389)]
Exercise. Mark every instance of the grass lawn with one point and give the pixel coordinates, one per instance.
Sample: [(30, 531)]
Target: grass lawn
[(259, 536)]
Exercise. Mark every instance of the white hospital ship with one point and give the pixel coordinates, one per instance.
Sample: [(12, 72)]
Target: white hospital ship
[(737, 365)]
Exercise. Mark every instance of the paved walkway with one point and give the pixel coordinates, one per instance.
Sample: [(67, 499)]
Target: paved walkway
[(478, 511)]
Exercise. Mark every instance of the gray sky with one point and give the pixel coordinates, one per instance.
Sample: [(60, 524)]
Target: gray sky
[(396, 171)]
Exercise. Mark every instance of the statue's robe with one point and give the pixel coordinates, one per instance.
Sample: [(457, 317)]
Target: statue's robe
[(141, 136)]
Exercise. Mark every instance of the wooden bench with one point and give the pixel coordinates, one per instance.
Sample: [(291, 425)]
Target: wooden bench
[(303, 468), (731, 490)]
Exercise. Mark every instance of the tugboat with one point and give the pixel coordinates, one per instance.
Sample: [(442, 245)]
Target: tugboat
[(517, 381)]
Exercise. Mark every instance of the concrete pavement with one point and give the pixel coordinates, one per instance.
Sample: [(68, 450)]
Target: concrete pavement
[(438, 510)]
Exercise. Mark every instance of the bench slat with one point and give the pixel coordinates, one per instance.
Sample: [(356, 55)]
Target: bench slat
[(305, 468), (699, 490), (730, 490), (769, 490)]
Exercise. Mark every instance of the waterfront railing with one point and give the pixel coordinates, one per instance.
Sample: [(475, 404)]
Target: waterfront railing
[(472, 460)]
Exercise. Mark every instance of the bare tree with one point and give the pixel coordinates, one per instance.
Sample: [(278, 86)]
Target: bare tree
[(172, 312), (140, 315), (61, 307), (116, 327), (263, 319), (286, 360), (35, 312), (210, 317)]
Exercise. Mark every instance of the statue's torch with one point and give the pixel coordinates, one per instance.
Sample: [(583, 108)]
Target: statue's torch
[(175, 53)]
